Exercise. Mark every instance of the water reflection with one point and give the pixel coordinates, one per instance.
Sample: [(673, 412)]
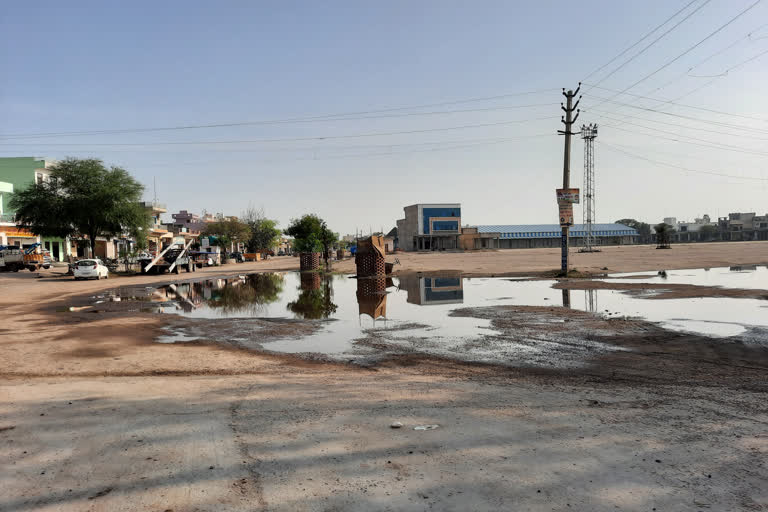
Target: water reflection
[(315, 300), (372, 296), (245, 294), (590, 301), (433, 290), (566, 298)]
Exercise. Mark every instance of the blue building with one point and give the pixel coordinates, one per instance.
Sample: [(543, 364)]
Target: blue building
[(430, 227), (526, 236)]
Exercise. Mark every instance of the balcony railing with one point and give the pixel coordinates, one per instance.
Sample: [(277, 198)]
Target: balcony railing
[(6, 217)]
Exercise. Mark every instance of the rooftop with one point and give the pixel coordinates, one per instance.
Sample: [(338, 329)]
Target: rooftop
[(554, 230)]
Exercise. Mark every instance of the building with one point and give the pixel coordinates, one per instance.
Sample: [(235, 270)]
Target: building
[(18, 173), (430, 227), (700, 230), (184, 219), (433, 290), (743, 226), (528, 236), (158, 235)]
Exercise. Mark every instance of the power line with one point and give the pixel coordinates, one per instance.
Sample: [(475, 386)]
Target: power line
[(289, 139), (708, 143), (322, 118), (673, 102), (681, 116), (677, 125), (686, 52), (639, 41), (657, 39), (707, 59), (688, 169)]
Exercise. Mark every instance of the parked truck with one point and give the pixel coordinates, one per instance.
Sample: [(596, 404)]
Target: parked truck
[(15, 258), (174, 258)]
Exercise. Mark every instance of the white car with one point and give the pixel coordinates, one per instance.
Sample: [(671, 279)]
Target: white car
[(91, 269)]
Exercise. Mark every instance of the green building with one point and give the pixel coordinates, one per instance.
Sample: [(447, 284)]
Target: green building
[(17, 173)]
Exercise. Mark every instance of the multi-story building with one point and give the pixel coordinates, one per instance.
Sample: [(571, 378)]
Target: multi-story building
[(184, 219), (700, 230), (743, 226), (430, 227), (18, 173)]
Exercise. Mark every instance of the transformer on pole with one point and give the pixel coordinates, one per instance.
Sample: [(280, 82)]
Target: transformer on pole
[(588, 133)]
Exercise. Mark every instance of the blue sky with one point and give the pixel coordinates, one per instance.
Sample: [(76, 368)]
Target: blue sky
[(90, 66)]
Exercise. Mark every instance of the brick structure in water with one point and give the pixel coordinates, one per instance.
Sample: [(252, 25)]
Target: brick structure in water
[(369, 257), (309, 261)]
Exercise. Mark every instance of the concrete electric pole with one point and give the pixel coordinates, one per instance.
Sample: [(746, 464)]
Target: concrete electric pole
[(588, 133), (566, 196)]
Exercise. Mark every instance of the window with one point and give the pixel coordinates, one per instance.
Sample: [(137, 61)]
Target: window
[(39, 178)]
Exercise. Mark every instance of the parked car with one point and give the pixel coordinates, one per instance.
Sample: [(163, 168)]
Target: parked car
[(90, 269), (281, 252), (237, 256)]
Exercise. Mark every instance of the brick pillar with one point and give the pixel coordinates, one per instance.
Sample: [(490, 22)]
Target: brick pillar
[(309, 261)]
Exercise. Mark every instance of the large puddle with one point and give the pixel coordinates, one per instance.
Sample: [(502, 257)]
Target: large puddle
[(415, 310)]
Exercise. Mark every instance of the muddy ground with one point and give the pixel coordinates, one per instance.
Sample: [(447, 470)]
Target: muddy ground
[(96, 416)]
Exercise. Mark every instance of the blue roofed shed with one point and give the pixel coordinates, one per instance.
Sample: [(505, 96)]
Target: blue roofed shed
[(513, 236)]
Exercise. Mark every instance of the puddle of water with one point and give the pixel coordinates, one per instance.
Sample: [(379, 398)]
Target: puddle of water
[(749, 277), (400, 310)]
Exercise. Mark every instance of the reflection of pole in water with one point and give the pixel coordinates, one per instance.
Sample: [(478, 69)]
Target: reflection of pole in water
[(566, 298), (590, 300)]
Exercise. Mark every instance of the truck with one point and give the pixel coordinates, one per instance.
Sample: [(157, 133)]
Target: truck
[(15, 258), (172, 259)]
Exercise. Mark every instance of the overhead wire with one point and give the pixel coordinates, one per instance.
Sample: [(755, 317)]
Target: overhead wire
[(681, 167), (307, 119), (687, 51), (689, 15)]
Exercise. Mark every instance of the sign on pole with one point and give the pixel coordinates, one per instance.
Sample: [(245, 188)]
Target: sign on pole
[(567, 196)]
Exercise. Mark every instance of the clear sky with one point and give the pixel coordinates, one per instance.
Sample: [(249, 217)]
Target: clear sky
[(93, 66)]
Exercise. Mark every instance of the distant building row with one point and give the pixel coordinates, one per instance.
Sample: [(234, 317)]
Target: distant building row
[(18, 173), (735, 227), (435, 227)]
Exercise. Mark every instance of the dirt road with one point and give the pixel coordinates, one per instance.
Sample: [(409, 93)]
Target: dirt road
[(627, 258), (95, 416)]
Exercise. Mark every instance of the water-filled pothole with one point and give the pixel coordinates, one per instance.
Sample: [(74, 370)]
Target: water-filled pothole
[(418, 312)]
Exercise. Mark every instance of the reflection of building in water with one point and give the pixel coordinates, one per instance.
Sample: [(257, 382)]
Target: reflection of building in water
[(372, 296), (431, 290)]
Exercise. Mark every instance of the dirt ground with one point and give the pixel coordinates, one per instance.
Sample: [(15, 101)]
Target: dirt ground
[(626, 258), (96, 416)]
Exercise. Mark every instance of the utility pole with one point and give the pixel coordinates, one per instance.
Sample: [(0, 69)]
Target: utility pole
[(588, 133), (565, 199)]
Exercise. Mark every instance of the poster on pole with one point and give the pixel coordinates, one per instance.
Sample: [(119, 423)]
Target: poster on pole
[(566, 214), (567, 196)]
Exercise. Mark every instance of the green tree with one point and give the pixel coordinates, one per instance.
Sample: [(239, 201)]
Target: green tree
[(643, 229), (707, 232), (227, 231), (82, 199), (307, 232), (264, 231), (663, 235)]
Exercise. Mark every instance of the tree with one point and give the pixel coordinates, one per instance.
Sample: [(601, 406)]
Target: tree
[(264, 232), (707, 232), (82, 199), (643, 229), (307, 232), (328, 239), (227, 232), (663, 235)]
